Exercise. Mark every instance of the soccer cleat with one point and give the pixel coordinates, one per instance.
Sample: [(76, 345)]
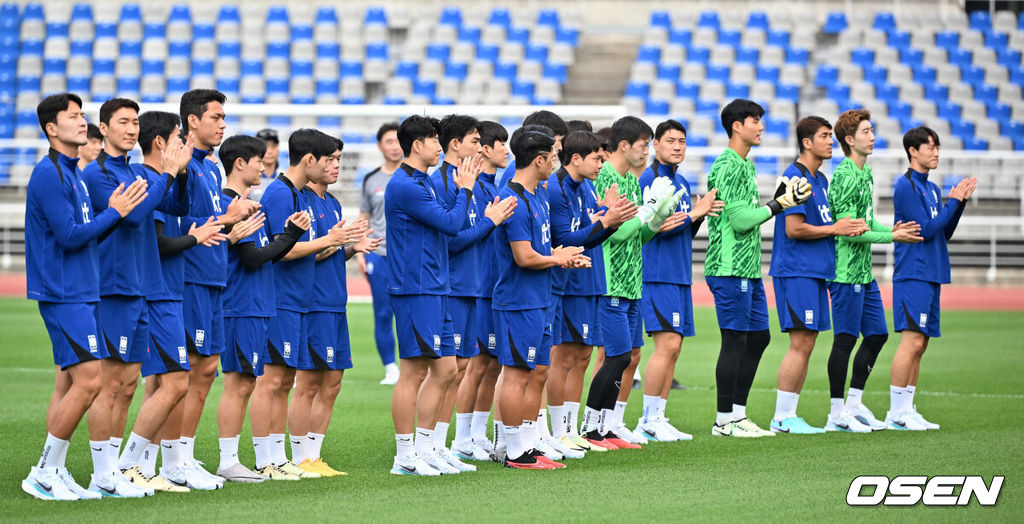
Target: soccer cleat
[(439, 463), (619, 442), (274, 472), (864, 416), (596, 440), (484, 444), (581, 443), (794, 426), (159, 483), (470, 451), (135, 476), (527, 461), (654, 432), (198, 467), (416, 466), (677, 386), (454, 461), (734, 429), (625, 434), (566, 451), (498, 455), (79, 491), (46, 484), (539, 455), (846, 422), (921, 419), (114, 484), (186, 475), (292, 468), (327, 471), (308, 466), (390, 376), (904, 421), (681, 435), (239, 473), (546, 450), (749, 426)]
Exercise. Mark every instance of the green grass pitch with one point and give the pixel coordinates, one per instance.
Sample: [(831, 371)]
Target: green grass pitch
[(971, 384)]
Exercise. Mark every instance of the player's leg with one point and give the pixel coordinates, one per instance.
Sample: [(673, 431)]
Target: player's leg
[(204, 326), (755, 316), (462, 311), (874, 327), (329, 340), (263, 406), (242, 362), (847, 309), (484, 400), (911, 308), (799, 302), (635, 332), (465, 404), (307, 384), (658, 377), (563, 358), (931, 330), (378, 274), (61, 385), (574, 391)]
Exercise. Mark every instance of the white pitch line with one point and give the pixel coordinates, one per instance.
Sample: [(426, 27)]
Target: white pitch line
[(1011, 396)]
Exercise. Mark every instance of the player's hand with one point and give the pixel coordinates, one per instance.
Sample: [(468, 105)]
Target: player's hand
[(250, 225), (301, 219), (366, 244), (611, 196), (356, 230), (209, 234), (239, 209), (500, 211), (174, 159), (125, 200), (619, 212), (911, 226), (673, 221), (907, 236), (468, 171), (847, 227), (707, 205), (790, 192), (964, 189), (565, 256)]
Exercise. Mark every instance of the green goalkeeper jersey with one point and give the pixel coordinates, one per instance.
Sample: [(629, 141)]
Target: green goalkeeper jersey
[(733, 251), (623, 251), (851, 195)]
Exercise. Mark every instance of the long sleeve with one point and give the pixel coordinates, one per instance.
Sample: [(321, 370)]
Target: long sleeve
[(253, 257), (176, 200), (743, 218), (469, 236), (626, 230), (955, 221), (60, 215), (172, 245), (421, 205), (909, 205), (695, 227), (102, 185)]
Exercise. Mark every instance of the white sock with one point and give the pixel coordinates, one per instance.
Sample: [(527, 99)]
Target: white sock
[(391, 368), (558, 422), (910, 392), (619, 412), (572, 410), (440, 435), (148, 465), (62, 456), (172, 453), (261, 446), (188, 449), (298, 448), (606, 420), (898, 398), (636, 375), (424, 442), (277, 454), (854, 397), (499, 435), (591, 420), (403, 443), (514, 437), (463, 428), (478, 426), (114, 453), (785, 404), (100, 450), (542, 424), (722, 419), (837, 406), (314, 444), (662, 402), (529, 434), (739, 412), (651, 404), (53, 451), (228, 452), (132, 455)]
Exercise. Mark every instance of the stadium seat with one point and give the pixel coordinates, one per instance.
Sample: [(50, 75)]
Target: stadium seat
[(885, 22), (662, 19), (709, 19), (648, 53), (981, 21), (835, 23)]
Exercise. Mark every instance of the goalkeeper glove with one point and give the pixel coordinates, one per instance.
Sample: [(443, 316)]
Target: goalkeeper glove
[(790, 192), (665, 209), (659, 190)]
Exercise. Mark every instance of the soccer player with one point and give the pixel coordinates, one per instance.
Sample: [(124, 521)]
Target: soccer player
[(803, 259), (920, 270), (91, 150), (202, 115), (270, 163), (732, 267), (857, 308), (522, 295), (418, 225), (666, 302), (618, 312), (326, 324), (374, 264), (547, 119), (310, 153), (577, 218), (62, 266)]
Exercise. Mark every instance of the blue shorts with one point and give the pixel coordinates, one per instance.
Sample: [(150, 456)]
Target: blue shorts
[(524, 337), (740, 303), (247, 345), (667, 307), (857, 309), (124, 323), (167, 350), (73, 332), (327, 346), (203, 310), (556, 318), (285, 336), (463, 313), (915, 307), (486, 336), (424, 326), (802, 303), (621, 327), (579, 321)]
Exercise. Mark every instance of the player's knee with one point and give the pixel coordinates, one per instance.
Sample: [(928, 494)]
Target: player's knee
[(175, 386), (88, 387)]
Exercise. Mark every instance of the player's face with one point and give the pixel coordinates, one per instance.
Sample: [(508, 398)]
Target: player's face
[(750, 130), (927, 155), (557, 148), (389, 147), (467, 147), (71, 127), (547, 164), (636, 153), (821, 143), (864, 138), (91, 150), (496, 155), (429, 150), (251, 170), (209, 129), (589, 166), (122, 133), (270, 157), (332, 168), (605, 154), (671, 149)]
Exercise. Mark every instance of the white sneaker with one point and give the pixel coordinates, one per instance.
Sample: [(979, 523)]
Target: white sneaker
[(198, 466), (484, 444), (844, 421), (114, 484), (547, 450), (469, 451), (651, 430), (190, 477), (46, 484), (454, 461), (903, 421), (390, 376), (625, 434), (416, 466), (864, 416), (681, 435), (921, 419), (438, 462), (562, 449), (73, 486)]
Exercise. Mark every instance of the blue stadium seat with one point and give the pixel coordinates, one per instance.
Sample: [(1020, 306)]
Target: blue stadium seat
[(393, 101), (686, 89), (875, 74), (152, 67), (423, 87), (747, 55), (557, 72), (924, 74), (998, 111), (797, 56), (962, 128), (331, 121), (456, 70), (729, 37), (898, 39), (277, 14), (522, 88), (911, 56), (636, 89), (981, 21), (960, 57), (680, 36), (180, 13), (985, 93), (154, 29), (57, 30), (500, 16), (776, 126), (179, 49), (407, 69), (907, 124), (375, 16), (377, 51), (202, 67), (784, 91), (698, 55), (1008, 57), (881, 142), (438, 51), (707, 107), (835, 23), (568, 35), (351, 69), (661, 18), (505, 71), (778, 38), (177, 84), (131, 49), (885, 22), (996, 40), (105, 29), (55, 66), (229, 14), (1017, 75), (718, 72), (709, 19), (949, 181), (697, 141), (656, 107), (252, 67), (32, 48), (80, 12), (469, 34), (768, 73), (826, 75), (536, 53), (758, 20), (299, 32), (487, 51), (451, 16), (737, 90), (228, 86), (947, 39), (278, 50), (951, 111), (326, 15), (1012, 129), (648, 53), (327, 87), (668, 72), (328, 51), (766, 165), (972, 75), (33, 11), (277, 86), (78, 84), (862, 56), (301, 68), (26, 118), (81, 48), (102, 66), (887, 93), (548, 17), (900, 110), (232, 50), (936, 93), (975, 144), (204, 31)]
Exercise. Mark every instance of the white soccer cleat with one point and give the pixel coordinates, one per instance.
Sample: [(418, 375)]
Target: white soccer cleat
[(866, 417), (653, 431), (198, 466), (114, 484), (454, 461), (548, 451), (681, 435), (562, 449), (921, 419), (625, 434), (390, 376), (470, 451), (46, 484), (73, 486), (190, 477), (436, 461), (484, 444), (846, 422), (903, 421), (415, 466)]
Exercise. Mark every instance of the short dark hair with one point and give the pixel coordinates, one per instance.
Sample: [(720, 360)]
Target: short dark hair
[(737, 111), (549, 119), (384, 129), (268, 135), (111, 106), (668, 125), (529, 142), (240, 146), (580, 143), (579, 125), (808, 127), (310, 141), (92, 132), (456, 127), (917, 137), (847, 124), (416, 128), (605, 133), (195, 102), (491, 132), (630, 129), (154, 124), (48, 109)]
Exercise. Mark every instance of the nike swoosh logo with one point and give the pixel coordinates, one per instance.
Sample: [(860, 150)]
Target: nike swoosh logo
[(780, 430), (165, 446), (177, 483), (46, 488), (278, 441), (648, 433), (842, 426), (900, 424), (107, 491), (97, 449), (407, 469)]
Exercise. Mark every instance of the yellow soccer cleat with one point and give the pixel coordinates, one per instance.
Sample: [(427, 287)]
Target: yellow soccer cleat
[(274, 472), (326, 470), (580, 442), (159, 483), (300, 471)]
